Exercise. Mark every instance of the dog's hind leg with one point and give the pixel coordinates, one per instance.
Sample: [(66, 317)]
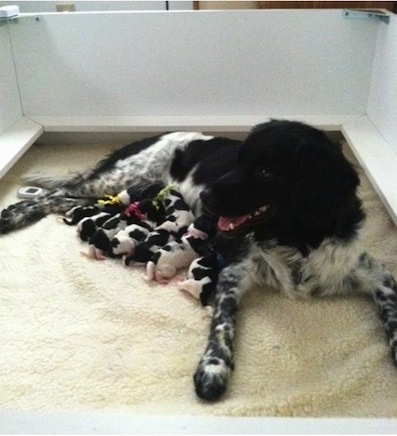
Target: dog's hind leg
[(75, 192), (372, 278), (385, 296), (81, 190), (217, 363), (24, 213)]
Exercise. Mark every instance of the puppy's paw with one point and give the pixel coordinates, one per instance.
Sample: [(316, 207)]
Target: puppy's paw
[(211, 377), (191, 287), (160, 274)]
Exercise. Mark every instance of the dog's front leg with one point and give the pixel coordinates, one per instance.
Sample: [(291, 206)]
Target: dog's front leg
[(217, 363)]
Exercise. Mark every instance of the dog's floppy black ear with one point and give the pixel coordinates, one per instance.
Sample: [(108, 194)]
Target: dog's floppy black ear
[(326, 179)]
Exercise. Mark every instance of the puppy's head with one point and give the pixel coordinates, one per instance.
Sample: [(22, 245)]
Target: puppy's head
[(285, 172)]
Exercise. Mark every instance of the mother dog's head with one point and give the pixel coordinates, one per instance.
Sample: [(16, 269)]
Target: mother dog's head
[(290, 182)]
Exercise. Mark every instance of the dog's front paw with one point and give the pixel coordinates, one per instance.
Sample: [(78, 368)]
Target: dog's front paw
[(211, 377)]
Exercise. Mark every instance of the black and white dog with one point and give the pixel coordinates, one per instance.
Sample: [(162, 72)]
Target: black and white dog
[(284, 200)]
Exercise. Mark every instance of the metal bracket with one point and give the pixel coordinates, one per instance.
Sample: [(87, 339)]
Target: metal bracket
[(27, 19), (6, 20), (367, 14)]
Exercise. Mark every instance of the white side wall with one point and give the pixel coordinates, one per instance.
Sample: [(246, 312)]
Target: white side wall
[(382, 104), (17, 133), (215, 63), (10, 107)]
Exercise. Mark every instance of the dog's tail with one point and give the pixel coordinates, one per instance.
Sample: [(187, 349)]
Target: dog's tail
[(44, 181)]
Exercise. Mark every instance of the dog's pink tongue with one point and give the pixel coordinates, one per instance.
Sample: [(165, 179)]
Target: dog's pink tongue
[(225, 223)]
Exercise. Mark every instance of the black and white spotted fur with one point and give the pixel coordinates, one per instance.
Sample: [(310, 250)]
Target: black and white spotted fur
[(285, 205)]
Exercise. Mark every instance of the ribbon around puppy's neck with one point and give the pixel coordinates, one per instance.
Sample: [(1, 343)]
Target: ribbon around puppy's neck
[(159, 198), (112, 200)]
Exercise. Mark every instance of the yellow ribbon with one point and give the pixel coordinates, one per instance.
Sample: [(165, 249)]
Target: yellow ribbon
[(112, 200)]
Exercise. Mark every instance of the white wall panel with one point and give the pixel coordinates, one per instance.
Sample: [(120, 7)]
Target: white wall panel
[(10, 108), (277, 63), (36, 6), (382, 105), (376, 157)]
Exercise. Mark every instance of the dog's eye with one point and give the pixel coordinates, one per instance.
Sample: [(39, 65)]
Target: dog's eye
[(264, 173)]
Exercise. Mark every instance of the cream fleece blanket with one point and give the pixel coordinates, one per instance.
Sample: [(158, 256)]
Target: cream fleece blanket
[(79, 334)]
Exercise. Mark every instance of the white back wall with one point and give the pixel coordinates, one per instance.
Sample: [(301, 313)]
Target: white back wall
[(112, 5), (213, 71), (276, 63), (101, 5), (10, 107), (382, 104)]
